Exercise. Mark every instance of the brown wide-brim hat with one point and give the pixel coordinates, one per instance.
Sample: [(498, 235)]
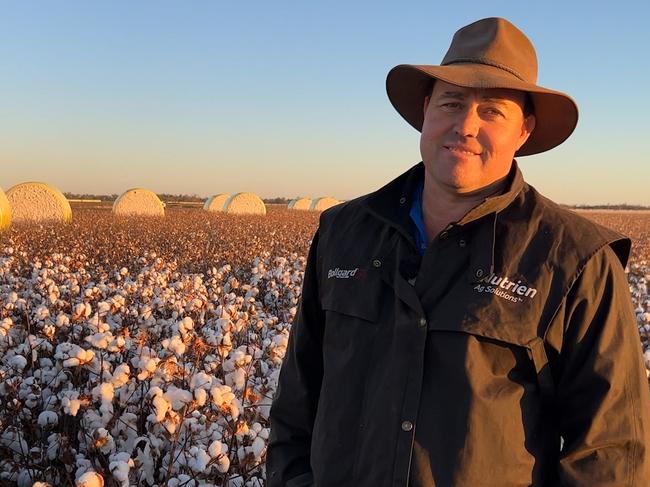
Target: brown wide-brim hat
[(489, 53)]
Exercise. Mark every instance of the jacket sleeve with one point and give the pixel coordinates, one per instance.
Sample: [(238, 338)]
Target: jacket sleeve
[(296, 398), (603, 398)]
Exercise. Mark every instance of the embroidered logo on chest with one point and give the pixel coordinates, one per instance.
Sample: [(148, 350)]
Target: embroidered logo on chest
[(505, 288), (356, 273)]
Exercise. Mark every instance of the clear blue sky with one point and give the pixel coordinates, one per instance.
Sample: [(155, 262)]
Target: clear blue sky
[(287, 98)]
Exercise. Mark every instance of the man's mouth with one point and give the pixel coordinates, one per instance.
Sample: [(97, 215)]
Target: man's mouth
[(462, 150)]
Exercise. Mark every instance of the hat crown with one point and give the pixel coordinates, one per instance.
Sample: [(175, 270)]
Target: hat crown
[(494, 42)]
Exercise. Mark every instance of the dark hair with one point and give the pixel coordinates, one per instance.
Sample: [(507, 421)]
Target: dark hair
[(529, 106)]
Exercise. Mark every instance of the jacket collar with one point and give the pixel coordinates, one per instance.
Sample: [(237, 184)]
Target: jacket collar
[(392, 204)]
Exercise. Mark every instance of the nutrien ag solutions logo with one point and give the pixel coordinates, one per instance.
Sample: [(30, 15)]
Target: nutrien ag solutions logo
[(505, 288)]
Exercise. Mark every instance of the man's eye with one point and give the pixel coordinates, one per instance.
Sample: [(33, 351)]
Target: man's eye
[(494, 112), (450, 104)]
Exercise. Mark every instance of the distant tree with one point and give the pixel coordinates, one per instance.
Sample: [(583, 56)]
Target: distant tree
[(87, 196), (180, 197), (620, 206), (277, 201)]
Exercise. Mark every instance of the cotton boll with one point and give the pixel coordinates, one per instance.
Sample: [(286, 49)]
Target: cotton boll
[(97, 325), (264, 433), (18, 362), (147, 367), (200, 379), (5, 326), (62, 320), (172, 422), (216, 448), (199, 461), (145, 462), (278, 347), (24, 478), (223, 463), (161, 406), (100, 340), (47, 418), (48, 331), (103, 392), (103, 308), (13, 442), (41, 313), (182, 481), (119, 466), (236, 379), (145, 312), (258, 447), (186, 325), (174, 344), (87, 310), (103, 441), (90, 479), (200, 396), (120, 375), (72, 354), (177, 397), (54, 446)]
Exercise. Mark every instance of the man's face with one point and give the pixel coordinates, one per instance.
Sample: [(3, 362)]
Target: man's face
[(470, 136)]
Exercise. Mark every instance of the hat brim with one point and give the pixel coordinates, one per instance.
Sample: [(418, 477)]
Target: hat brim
[(556, 113)]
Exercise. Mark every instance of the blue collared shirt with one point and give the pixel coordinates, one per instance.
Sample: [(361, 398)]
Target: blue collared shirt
[(421, 240)]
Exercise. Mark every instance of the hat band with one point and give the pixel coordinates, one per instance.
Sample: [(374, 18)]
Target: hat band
[(487, 62)]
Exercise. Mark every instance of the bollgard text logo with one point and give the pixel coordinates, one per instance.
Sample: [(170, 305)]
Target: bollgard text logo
[(505, 288), (342, 273)]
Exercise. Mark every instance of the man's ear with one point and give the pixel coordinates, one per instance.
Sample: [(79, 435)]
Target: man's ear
[(427, 99), (526, 129)]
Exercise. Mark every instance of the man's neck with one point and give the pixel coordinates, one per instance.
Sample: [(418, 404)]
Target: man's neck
[(440, 207)]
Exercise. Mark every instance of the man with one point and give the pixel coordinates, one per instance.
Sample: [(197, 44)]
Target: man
[(456, 327)]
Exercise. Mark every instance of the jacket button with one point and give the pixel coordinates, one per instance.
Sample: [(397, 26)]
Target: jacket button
[(376, 263), (407, 426), (402, 200), (462, 243), (422, 322), (479, 272)]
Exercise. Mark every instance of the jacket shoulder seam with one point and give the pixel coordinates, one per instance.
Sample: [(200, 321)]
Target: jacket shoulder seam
[(571, 282)]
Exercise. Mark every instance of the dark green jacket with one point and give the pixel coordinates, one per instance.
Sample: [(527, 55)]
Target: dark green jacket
[(514, 333)]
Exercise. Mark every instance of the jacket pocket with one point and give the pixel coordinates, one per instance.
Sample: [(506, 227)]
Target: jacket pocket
[(500, 336), (359, 296)]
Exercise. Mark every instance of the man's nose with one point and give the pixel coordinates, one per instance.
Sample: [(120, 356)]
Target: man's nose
[(468, 122)]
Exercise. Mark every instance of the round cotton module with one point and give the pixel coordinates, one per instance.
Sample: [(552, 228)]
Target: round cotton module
[(320, 204), (5, 211), (245, 204), (38, 202), (299, 204), (139, 202), (216, 202)]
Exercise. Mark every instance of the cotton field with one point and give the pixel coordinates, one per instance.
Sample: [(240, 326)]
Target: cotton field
[(146, 351)]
